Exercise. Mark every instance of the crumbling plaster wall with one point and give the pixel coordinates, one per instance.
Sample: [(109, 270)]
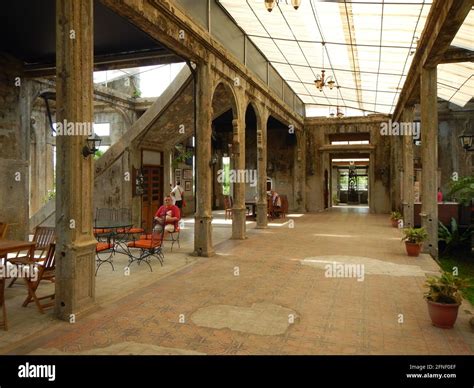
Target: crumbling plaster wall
[(14, 147)]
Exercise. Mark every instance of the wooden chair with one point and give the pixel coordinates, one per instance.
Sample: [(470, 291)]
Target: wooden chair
[(46, 271), (283, 209), (3, 230), (44, 236), (3, 322)]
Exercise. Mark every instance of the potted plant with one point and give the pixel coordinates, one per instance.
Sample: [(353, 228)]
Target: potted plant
[(395, 216), (444, 296), (414, 238), (335, 199)]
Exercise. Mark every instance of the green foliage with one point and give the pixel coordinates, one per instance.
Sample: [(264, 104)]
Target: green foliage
[(464, 265), (98, 154), (462, 190), (335, 199), (452, 237), (446, 288), (415, 235), (181, 157), (395, 215)]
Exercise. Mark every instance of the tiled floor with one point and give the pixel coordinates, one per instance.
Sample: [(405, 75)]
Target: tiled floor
[(269, 294)]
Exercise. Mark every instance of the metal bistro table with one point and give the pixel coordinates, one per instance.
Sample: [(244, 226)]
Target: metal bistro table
[(6, 247), (113, 237)]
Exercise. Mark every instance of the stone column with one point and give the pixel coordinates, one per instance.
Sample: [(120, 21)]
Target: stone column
[(203, 216), (238, 210), (408, 173), (75, 249), (262, 219), (429, 157), (300, 172)]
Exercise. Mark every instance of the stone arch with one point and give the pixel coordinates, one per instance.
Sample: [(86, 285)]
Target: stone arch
[(234, 99)]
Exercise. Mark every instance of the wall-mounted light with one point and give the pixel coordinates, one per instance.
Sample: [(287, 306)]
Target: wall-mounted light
[(92, 146), (467, 142)]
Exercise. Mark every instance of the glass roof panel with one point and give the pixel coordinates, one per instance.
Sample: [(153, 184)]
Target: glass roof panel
[(368, 48)]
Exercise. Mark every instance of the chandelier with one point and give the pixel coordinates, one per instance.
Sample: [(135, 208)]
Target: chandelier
[(321, 81), (270, 4)]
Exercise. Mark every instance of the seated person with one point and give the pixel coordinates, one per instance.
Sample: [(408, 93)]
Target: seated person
[(276, 201), (168, 215)]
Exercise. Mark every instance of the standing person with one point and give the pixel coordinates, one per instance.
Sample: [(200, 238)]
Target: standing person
[(178, 193), (440, 195)]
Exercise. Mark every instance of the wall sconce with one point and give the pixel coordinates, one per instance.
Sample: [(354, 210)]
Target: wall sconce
[(467, 142), (92, 146)]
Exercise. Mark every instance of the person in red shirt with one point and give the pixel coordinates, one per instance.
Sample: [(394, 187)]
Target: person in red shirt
[(440, 195), (167, 215)]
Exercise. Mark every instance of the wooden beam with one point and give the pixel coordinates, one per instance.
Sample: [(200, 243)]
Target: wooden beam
[(457, 54), (110, 62), (443, 22)]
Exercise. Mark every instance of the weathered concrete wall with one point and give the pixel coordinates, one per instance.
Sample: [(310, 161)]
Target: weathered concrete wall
[(317, 136), (14, 146), (452, 158), (41, 157)]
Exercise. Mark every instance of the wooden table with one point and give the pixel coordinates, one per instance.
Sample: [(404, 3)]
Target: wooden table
[(6, 247)]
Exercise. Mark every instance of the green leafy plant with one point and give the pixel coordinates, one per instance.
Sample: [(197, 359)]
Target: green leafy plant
[(414, 235), (462, 190), (181, 156), (335, 199), (446, 288), (452, 236), (98, 154), (395, 215)]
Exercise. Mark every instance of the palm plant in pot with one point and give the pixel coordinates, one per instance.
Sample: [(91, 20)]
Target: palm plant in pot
[(444, 296), (395, 216), (414, 238)]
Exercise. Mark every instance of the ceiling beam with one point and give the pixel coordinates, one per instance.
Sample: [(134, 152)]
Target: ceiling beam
[(456, 54), (111, 62), (443, 22)]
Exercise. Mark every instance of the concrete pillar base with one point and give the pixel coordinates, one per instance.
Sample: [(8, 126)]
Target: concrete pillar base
[(262, 219), (75, 280), (203, 236), (238, 224)]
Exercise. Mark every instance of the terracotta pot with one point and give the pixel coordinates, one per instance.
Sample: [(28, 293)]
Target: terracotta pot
[(443, 315), (413, 249), (394, 223)]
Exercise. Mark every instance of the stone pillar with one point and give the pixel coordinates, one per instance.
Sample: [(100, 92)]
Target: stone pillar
[(75, 250), (429, 157), (408, 173), (262, 219), (370, 194), (238, 210), (300, 172), (203, 216)]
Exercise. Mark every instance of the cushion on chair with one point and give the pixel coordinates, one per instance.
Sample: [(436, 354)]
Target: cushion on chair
[(103, 246), (102, 231), (144, 244)]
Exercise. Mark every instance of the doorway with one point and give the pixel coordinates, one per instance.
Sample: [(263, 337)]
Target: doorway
[(152, 197)]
